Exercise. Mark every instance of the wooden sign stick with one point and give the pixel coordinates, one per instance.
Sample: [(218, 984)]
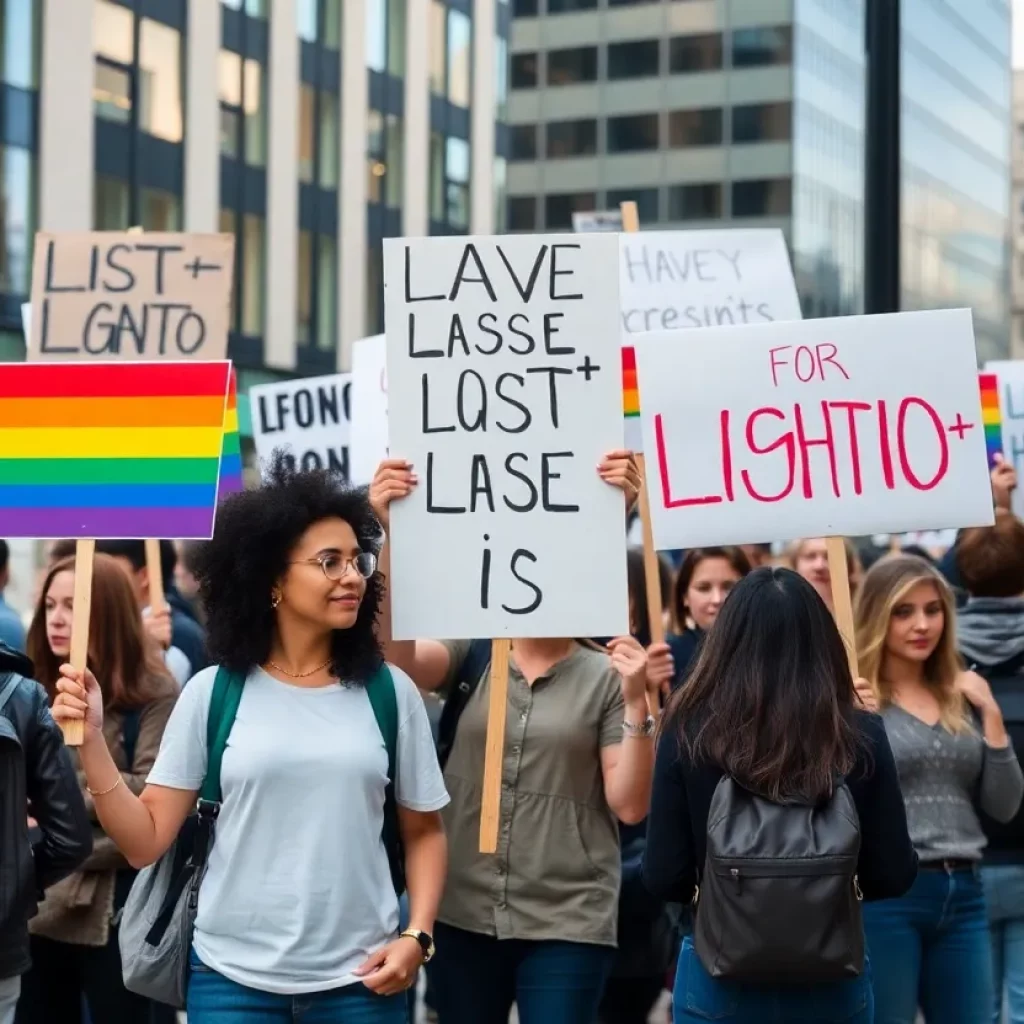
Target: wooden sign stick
[(494, 751), (842, 602), (652, 569), (85, 551)]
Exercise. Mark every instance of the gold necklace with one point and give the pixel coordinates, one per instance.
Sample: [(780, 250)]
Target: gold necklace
[(299, 675)]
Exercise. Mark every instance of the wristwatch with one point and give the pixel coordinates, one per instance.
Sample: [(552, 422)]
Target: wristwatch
[(426, 942), (641, 731)]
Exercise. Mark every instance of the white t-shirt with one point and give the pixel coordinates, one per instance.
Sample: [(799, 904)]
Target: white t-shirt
[(298, 892)]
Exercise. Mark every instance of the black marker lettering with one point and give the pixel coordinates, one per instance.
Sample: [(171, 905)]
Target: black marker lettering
[(409, 297), (546, 476), (518, 554), (480, 423), (431, 507), (530, 343), (485, 576), (552, 372), (491, 318), (456, 333), (527, 415), (556, 273), (527, 292), (49, 286), (531, 502), (461, 278), (161, 251), (426, 427), (480, 483), (550, 329), (129, 276)]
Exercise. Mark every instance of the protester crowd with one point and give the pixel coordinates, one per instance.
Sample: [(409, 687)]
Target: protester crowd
[(343, 864)]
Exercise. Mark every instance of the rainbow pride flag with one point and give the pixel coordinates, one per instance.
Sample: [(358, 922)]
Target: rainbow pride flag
[(231, 450), (110, 450), (991, 417), (630, 392)]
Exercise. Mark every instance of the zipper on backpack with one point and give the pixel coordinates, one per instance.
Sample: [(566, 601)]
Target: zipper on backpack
[(734, 873), (857, 889)]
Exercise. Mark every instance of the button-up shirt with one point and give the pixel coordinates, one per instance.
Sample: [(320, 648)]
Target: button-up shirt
[(556, 872)]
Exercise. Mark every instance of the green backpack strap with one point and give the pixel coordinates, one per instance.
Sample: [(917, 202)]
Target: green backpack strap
[(381, 692), (227, 695)]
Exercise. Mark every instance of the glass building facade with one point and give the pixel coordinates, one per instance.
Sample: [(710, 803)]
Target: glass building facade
[(956, 123)]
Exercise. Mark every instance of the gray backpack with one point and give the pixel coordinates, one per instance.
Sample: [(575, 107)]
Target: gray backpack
[(778, 900)]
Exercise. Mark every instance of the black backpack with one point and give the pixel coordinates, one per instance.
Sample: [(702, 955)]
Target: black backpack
[(470, 673), (779, 901)]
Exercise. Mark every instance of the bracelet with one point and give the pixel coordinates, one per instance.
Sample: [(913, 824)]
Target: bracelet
[(641, 730), (104, 792)]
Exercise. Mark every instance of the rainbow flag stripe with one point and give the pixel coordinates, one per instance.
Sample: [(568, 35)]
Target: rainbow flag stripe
[(630, 392), (231, 450), (991, 417), (110, 450)]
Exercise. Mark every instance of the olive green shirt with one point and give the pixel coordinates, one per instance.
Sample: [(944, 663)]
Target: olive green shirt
[(557, 869)]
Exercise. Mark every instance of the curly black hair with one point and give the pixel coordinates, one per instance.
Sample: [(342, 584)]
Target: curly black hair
[(253, 539)]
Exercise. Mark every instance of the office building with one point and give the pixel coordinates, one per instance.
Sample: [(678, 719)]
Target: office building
[(752, 113), (1017, 220), (311, 129)]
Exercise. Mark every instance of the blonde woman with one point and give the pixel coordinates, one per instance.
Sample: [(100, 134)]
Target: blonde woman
[(930, 948)]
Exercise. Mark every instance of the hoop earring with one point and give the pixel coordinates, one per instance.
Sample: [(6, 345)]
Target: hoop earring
[(275, 601)]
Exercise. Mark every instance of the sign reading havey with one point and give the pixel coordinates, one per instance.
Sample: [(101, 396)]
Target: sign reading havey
[(504, 392), (111, 295), (850, 426), (309, 419)]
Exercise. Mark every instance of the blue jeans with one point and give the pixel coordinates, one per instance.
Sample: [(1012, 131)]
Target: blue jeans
[(1004, 896), (213, 999), (931, 948), (477, 978), (698, 997)]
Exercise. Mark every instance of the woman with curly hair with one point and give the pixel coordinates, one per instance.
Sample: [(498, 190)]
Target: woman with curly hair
[(298, 916)]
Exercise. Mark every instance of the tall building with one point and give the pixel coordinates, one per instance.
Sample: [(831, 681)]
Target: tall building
[(1017, 219), (752, 113), (311, 129)]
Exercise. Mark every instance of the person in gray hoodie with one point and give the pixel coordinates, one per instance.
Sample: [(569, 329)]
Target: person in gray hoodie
[(990, 638)]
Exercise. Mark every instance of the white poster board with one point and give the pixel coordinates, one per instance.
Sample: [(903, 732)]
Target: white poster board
[(369, 407), (504, 391), (677, 280), (597, 220), (309, 418), (1011, 409), (841, 427)]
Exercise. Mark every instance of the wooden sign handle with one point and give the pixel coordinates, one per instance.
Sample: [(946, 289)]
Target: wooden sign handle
[(494, 755), (85, 551), (842, 602), (155, 572)]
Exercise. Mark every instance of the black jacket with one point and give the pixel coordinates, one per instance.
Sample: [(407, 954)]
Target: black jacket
[(37, 778)]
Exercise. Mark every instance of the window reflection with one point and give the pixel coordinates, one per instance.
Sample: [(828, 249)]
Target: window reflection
[(327, 294), (305, 18), (559, 207), (254, 8), (307, 132), (110, 204), (17, 220), (459, 57), (304, 294), (19, 42), (438, 46), (243, 108), (757, 47), (376, 35), (159, 210), (160, 94), (329, 139), (457, 155)]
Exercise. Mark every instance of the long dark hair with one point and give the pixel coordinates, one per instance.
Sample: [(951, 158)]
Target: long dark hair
[(771, 699), (640, 626)]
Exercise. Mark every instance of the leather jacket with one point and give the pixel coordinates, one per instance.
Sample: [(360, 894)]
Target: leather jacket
[(37, 778)]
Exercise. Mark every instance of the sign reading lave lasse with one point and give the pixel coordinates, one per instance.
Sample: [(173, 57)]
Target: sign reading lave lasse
[(114, 295), (849, 426), (504, 392)]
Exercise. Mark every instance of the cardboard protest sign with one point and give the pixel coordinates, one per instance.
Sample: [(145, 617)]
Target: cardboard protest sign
[(369, 407), (309, 418), (114, 295), (231, 479), (110, 450), (849, 426), (1007, 415), (674, 280), (504, 387)]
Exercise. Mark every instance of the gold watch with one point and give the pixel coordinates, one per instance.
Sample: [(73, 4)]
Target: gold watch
[(426, 942)]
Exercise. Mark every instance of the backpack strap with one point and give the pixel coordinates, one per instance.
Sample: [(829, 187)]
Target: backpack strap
[(227, 695), (11, 684), (384, 701), (473, 667)]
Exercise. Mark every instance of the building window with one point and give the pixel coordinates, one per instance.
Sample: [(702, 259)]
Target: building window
[(457, 156), (254, 8), (110, 204), (317, 307), (460, 57), (243, 109), (438, 46), (646, 200), (19, 42), (559, 207), (522, 213), (757, 47), (695, 127), (524, 8), (160, 80), (568, 6), (695, 202), (687, 54), (17, 220), (635, 59), (247, 316), (571, 138), (319, 21), (385, 36), (632, 133), (524, 70), (771, 197), (762, 122), (500, 192), (114, 37), (501, 78), (307, 132), (567, 67), (384, 146), (523, 141), (161, 211)]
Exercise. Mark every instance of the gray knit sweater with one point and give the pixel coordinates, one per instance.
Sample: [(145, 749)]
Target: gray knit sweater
[(943, 777)]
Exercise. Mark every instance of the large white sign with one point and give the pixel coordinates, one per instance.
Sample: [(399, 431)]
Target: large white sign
[(849, 426), (504, 392), (369, 407), (675, 280), (309, 418), (1011, 408)]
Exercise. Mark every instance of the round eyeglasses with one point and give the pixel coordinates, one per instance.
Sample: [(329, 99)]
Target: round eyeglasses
[(335, 566)]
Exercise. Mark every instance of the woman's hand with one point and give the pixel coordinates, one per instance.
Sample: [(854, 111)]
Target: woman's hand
[(392, 969), (864, 694), (1004, 483), (661, 668), (393, 481), (158, 626), (79, 697), (619, 469), (978, 692), (629, 659)]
